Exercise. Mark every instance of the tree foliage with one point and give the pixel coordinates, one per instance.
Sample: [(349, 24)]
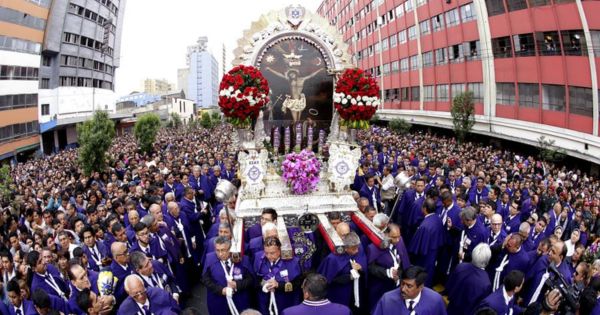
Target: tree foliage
[(206, 121), (6, 182), (215, 117), (400, 126), (145, 131), (463, 114), (95, 137), (549, 151), (174, 121)]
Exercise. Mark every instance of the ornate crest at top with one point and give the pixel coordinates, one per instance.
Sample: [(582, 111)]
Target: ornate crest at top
[(295, 14)]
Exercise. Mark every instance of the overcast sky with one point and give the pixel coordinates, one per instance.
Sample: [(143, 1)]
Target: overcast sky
[(156, 33)]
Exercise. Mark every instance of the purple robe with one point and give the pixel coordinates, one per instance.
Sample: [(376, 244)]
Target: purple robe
[(474, 235), (430, 303), (46, 284), (317, 308), (215, 281), (161, 303), (92, 257), (284, 271), (511, 225), (466, 288), (496, 302), (28, 308), (371, 193), (336, 268), (177, 189), (380, 260), (426, 244)]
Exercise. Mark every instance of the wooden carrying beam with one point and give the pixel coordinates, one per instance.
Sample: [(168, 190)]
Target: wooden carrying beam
[(287, 252), (237, 241), (333, 240), (370, 230)]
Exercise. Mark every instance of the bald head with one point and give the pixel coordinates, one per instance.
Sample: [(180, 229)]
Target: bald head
[(342, 229), (133, 284), (117, 247)]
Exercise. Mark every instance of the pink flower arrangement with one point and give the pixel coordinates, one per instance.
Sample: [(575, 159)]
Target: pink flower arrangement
[(301, 171)]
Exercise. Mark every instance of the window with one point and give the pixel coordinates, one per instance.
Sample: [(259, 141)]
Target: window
[(441, 56), (21, 18), (553, 97), (45, 109), (428, 59), (414, 62), (467, 12), (404, 65), (429, 93), (70, 38), (399, 10), (502, 47), (437, 22), (18, 130), (393, 41), (421, 2), (548, 43), (580, 101), (442, 93), (45, 83), (18, 73), (386, 69), (457, 89), (455, 53), (412, 32), (452, 17), (472, 50), (495, 7), (414, 94), (377, 47), (505, 93), (537, 3), (384, 44), (529, 95), (524, 45), (424, 26), (404, 94), (477, 89), (402, 37), (408, 5), (46, 61), (574, 43), (16, 44), (395, 66), (391, 95), (596, 42), (14, 101), (514, 5)]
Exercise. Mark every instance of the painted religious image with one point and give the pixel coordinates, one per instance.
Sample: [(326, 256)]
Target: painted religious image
[(301, 88)]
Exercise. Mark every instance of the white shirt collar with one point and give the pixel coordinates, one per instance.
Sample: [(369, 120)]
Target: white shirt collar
[(416, 301), (147, 304), (505, 295)]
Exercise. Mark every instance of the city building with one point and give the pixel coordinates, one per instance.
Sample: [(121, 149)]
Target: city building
[(157, 86), (80, 53), (182, 80), (138, 99), (202, 75), (22, 24), (165, 106), (532, 65)]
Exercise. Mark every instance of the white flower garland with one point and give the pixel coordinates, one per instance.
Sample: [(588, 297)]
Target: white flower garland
[(359, 100), (239, 96)]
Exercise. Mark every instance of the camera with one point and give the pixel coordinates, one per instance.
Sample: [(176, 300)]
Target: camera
[(569, 293)]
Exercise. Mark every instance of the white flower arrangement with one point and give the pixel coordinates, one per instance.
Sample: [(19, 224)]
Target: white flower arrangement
[(359, 100), (239, 96)]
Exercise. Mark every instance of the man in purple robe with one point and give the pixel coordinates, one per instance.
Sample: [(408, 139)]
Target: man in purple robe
[(154, 274), (225, 280), (450, 216), (46, 277), (279, 279), (120, 268), (513, 219), (400, 216), (195, 217), (371, 191), (473, 233), (412, 297), (82, 279), (386, 265), (315, 301), (469, 284), (513, 257), (150, 247), (174, 186), (18, 305), (344, 273), (146, 300), (427, 241), (267, 215), (503, 299), (200, 183), (94, 250), (479, 192), (539, 273)]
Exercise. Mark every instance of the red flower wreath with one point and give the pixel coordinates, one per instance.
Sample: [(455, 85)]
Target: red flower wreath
[(356, 98), (242, 93)]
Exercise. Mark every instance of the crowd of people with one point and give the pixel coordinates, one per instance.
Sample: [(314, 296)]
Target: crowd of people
[(481, 230)]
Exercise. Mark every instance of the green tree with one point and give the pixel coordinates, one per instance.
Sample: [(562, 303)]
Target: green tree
[(175, 121), (6, 182), (463, 114), (400, 126), (205, 120), (549, 152), (145, 131), (95, 136), (215, 117)]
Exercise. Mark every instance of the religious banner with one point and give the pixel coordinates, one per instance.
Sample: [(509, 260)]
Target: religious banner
[(253, 166), (343, 162)]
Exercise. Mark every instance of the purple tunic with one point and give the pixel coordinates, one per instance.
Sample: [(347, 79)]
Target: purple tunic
[(336, 268), (430, 303), (426, 244), (466, 288), (283, 271), (242, 275), (380, 260), (317, 308)]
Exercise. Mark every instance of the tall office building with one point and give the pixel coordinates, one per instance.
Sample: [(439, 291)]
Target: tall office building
[(80, 53), (157, 86), (203, 75), (22, 24), (531, 64)]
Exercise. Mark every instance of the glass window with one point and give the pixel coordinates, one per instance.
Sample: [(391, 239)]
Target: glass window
[(472, 50), (553, 97), (477, 89), (408, 5), (402, 37), (428, 59), (505, 93), (429, 93), (421, 2), (442, 93), (414, 62), (537, 3), (404, 65), (424, 27), (548, 43), (457, 89), (524, 45), (467, 12), (455, 53), (495, 7), (384, 44), (45, 109), (395, 66), (574, 43), (441, 56), (529, 95), (393, 41), (414, 93), (514, 5), (400, 10), (502, 47), (386, 69), (412, 32), (404, 93), (437, 22), (596, 42), (580, 101), (452, 17)]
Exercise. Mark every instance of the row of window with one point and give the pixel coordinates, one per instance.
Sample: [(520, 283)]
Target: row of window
[(18, 73), (19, 130), (496, 7), (89, 14), (553, 43), (433, 93), (553, 97), (15, 101), (21, 18), (86, 41), (85, 82), (110, 5), (74, 61), (41, 3), (20, 45)]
